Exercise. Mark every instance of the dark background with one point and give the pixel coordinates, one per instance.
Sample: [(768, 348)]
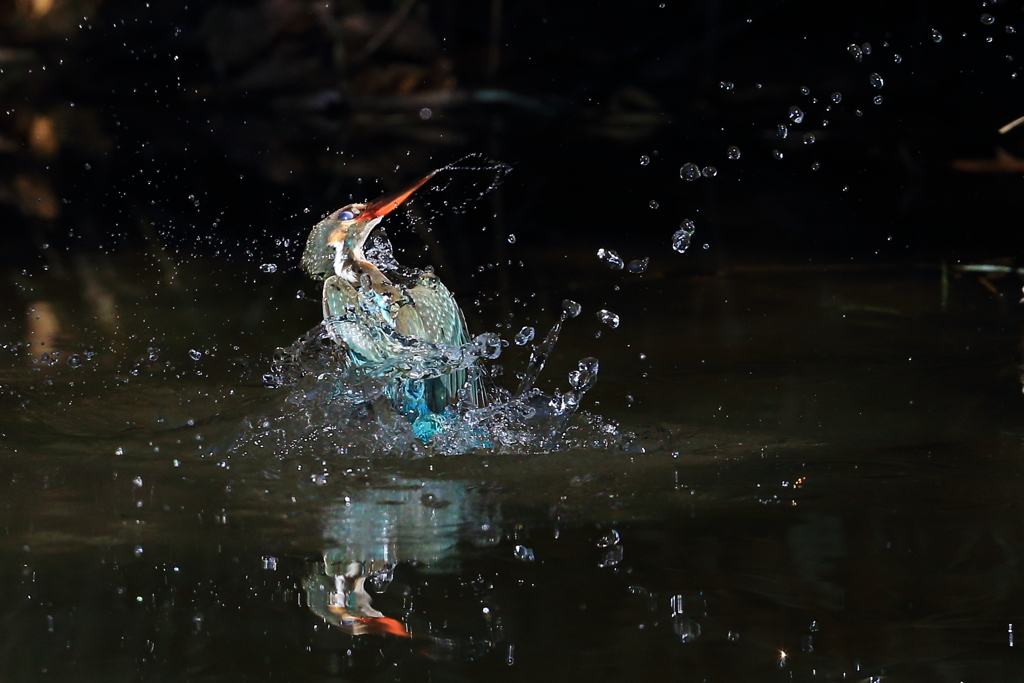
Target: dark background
[(212, 127)]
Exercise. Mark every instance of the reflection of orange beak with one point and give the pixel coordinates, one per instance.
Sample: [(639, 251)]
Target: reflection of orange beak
[(384, 624), (388, 203)]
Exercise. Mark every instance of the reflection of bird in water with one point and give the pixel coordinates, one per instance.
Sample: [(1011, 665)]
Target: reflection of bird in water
[(336, 590), (361, 305)]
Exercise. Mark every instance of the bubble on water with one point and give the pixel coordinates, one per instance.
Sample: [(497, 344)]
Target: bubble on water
[(119, 451), (897, 58), (815, 166), (137, 551), (987, 19), (523, 554), (1010, 29), (777, 154), (809, 138), (511, 239), (837, 97), (804, 90), (524, 336), (726, 85), (866, 49), (137, 482), (195, 354), (683, 236), (425, 113), (269, 267), (644, 160), (709, 172), (611, 258), (608, 318), (877, 99), (639, 265), (936, 35), (733, 152), (689, 171), (609, 539), (75, 361), (570, 309), (782, 131), (583, 378), (732, 636), (300, 294), (875, 80), (653, 204), (796, 114), (855, 52)]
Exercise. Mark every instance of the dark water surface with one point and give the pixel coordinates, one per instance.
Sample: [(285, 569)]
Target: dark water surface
[(830, 469)]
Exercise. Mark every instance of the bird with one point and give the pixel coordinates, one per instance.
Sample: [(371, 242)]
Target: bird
[(375, 317)]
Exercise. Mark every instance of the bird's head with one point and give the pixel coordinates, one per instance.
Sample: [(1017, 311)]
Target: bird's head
[(337, 241)]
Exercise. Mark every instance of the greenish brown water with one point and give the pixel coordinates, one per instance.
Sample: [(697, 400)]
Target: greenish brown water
[(829, 468)]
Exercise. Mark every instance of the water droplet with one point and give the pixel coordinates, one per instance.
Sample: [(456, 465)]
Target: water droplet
[(987, 19), (837, 97), (689, 171), (269, 267), (194, 354), (609, 539), (570, 309), (877, 99), (875, 80), (425, 113), (118, 451), (611, 258), (936, 35), (638, 266), (777, 154), (525, 336), (683, 236), (137, 551), (644, 160), (583, 378), (75, 360), (796, 114), (733, 152), (855, 52), (511, 239), (782, 131), (726, 85), (523, 554), (608, 318), (653, 204), (709, 172), (809, 138)]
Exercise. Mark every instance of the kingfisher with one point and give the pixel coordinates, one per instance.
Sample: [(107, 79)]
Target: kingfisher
[(364, 309)]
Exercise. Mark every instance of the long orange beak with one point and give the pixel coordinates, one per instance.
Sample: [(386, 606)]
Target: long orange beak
[(388, 203)]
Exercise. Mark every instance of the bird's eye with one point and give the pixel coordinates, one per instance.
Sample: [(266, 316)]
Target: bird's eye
[(345, 215)]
